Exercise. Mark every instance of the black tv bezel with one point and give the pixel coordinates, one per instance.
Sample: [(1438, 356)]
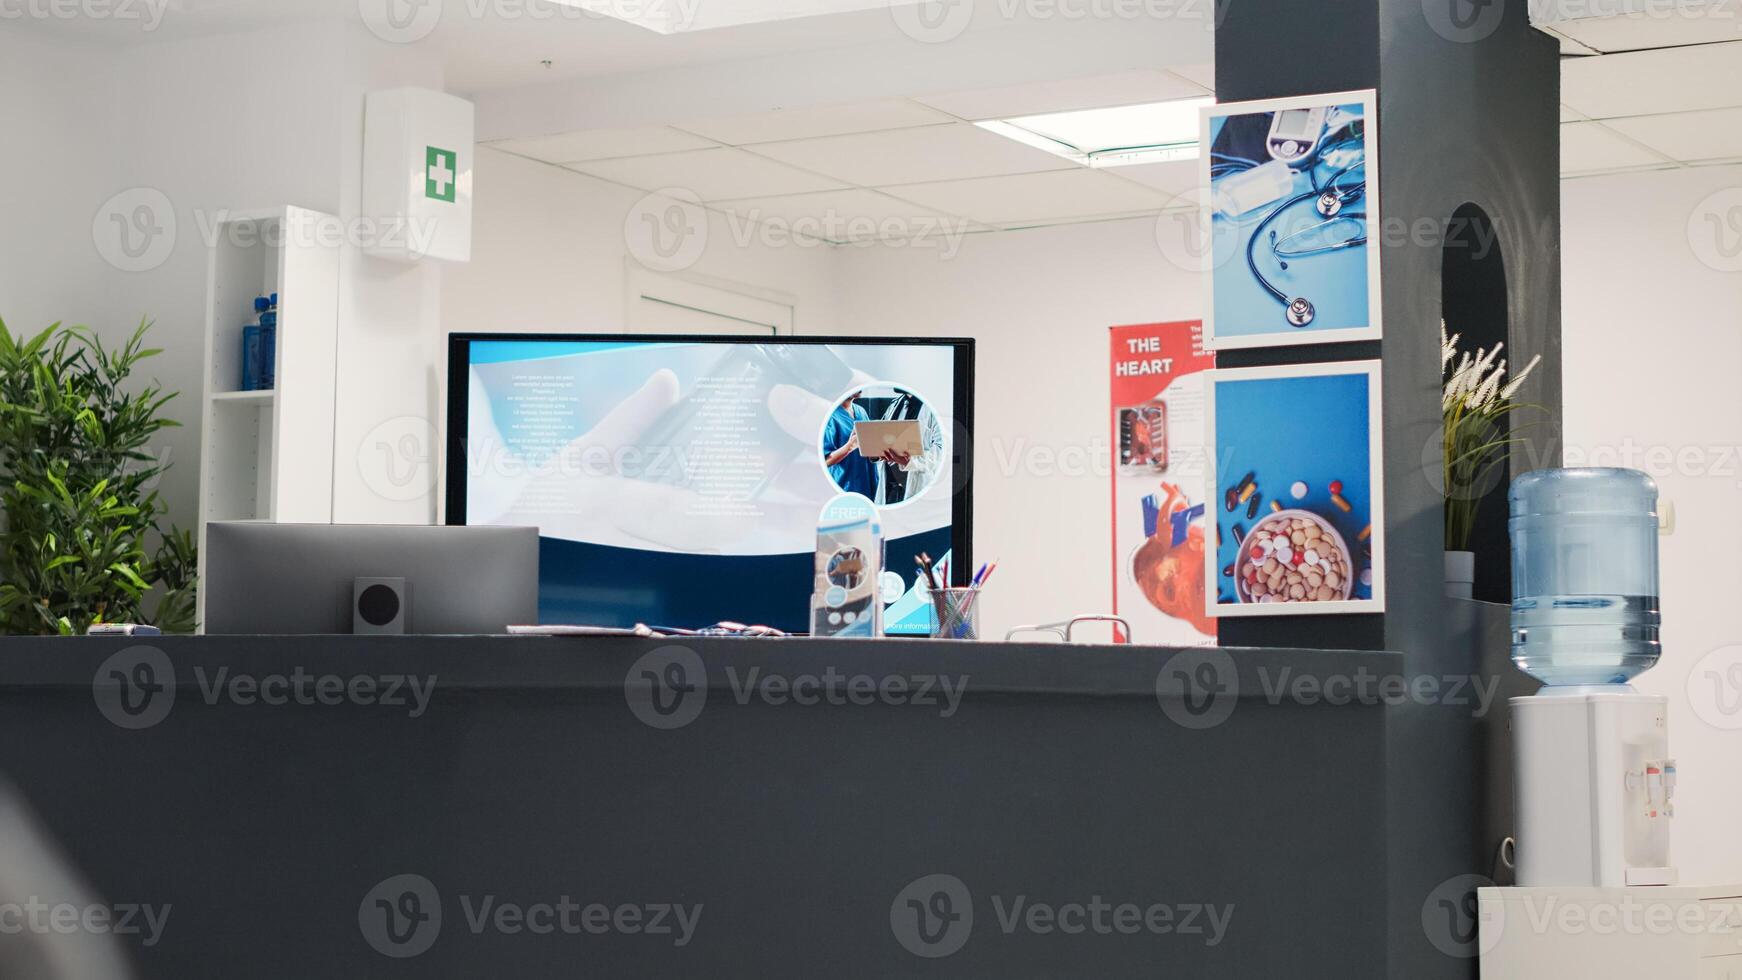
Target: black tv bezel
[(962, 460)]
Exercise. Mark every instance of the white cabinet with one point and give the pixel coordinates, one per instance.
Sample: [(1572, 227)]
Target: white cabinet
[(268, 455), (1676, 933)]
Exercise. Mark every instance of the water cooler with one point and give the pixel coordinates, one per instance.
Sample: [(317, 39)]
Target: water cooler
[(1595, 782)]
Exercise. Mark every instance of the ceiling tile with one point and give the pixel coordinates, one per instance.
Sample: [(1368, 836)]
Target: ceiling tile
[(849, 215), (599, 144), (1173, 179), (910, 156), (1125, 88), (1587, 146), (1644, 83), (1203, 75), (1664, 27), (1715, 134), (713, 175), (1078, 193), (795, 124)]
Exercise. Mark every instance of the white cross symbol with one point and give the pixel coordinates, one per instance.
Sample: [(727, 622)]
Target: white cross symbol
[(441, 174)]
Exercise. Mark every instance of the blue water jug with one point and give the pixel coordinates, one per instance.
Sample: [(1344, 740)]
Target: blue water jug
[(1584, 575)]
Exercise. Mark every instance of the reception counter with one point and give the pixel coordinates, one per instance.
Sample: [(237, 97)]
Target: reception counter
[(538, 807)]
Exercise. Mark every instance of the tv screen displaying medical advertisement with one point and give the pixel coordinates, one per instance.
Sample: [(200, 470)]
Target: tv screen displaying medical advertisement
[(1290, 194), (676, 481), (1157, 375), (1295, 493)]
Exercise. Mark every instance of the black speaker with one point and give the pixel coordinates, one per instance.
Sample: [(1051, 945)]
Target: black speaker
[(378, 606)]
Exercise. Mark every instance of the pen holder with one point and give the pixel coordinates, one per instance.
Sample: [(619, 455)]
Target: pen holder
[(955, 614)]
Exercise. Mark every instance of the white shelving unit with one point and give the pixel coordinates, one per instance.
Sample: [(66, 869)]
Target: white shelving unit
[(268, 455)]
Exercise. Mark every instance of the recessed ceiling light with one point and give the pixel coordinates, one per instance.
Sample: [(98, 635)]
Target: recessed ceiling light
[(1155, 132)]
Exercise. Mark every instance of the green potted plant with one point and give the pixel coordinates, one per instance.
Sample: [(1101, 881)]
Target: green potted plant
[(82, 540), (1476, 400)]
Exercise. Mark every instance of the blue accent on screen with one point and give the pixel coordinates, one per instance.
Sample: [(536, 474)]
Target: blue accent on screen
[(503, 351), (604, 586)]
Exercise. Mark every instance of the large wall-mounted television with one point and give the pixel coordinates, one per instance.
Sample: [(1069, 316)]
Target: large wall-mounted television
[(677, 481)]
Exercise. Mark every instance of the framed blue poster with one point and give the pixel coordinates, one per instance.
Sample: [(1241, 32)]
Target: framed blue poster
[(1294, 486), (1292, 208)]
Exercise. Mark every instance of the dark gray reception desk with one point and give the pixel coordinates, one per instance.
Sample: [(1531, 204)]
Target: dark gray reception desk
[(535, 807)]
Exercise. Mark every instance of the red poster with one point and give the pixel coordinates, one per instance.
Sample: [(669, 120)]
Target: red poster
[(1158, 482)]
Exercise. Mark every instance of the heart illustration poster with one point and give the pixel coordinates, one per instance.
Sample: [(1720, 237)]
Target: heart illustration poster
[(1158, 398)]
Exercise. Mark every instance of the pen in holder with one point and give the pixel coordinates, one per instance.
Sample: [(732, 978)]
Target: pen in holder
[(955, 613)]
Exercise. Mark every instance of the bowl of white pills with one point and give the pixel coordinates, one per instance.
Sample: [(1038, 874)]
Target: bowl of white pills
[(1294, 556)]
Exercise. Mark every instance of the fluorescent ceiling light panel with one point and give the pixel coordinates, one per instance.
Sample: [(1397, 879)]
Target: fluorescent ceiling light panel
[(1155, 132), (682, 16)]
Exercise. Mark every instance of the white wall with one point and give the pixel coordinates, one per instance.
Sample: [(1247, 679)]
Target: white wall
[(549, 253), (206, 123), (1653, 350), (46, 257)]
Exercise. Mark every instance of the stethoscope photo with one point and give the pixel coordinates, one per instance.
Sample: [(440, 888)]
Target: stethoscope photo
[(1337, 226)]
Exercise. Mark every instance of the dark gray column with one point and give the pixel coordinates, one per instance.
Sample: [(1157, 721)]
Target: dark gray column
[(1468, 96)]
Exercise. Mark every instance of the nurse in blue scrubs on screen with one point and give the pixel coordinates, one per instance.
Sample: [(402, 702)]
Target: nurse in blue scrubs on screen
[(852, 472)]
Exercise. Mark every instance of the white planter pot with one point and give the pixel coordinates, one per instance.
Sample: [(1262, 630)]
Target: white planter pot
[(1460, 573)]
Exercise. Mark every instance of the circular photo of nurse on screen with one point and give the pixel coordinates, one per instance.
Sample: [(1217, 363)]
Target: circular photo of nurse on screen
[(885, 442)]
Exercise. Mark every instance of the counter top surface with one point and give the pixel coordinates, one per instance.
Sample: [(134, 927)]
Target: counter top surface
[(485, 662)]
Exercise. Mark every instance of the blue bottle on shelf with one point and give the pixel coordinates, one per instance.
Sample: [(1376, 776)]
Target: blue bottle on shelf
[(268, 309), (1584, 575), (252, 338), (251, 357)]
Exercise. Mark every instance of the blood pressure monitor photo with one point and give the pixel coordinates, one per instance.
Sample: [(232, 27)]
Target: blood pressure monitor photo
[(1294, 133)]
